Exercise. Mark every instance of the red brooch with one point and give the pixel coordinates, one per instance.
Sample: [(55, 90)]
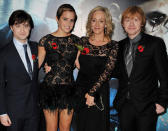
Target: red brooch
[(140, 48), (85, 51), (33, 57), (54, 46)]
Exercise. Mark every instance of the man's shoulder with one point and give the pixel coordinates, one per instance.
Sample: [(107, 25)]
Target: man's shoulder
[(152, 37), (6, 48), (5, 51), (33, 44), (123, 41)]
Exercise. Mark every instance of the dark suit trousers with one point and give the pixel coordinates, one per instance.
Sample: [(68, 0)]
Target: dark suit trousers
[(132, 120), (24, 124)]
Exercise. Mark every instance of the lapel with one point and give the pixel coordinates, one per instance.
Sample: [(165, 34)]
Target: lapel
[(34, 55), (18, 59), (123, 53), (135, 53)]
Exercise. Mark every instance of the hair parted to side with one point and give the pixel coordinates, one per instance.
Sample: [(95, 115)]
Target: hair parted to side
[(20, 16), (133, 11), (108, 20), (66, 7)]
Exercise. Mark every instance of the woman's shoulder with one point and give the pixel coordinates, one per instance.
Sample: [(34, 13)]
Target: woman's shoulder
[(84, 39), (74, 36), (113, 44), (45, 37)]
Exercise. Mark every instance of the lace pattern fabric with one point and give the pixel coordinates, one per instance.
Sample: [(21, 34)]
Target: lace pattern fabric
[(60, 55), (110, 51), (58, 90)]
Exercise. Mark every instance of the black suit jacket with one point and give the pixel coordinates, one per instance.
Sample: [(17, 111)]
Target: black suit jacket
[(150, 65), (18, 93)]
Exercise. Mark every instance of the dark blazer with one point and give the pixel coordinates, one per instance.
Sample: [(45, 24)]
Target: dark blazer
[(18, 93), (150, 65)]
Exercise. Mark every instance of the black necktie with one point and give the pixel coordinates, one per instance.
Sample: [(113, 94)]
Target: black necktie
[(28, 61), (129, 60)]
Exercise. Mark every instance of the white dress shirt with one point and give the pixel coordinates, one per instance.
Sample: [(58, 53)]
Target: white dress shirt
[(20, 49)]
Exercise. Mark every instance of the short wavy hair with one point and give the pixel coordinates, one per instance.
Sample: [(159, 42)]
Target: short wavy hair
[(108, 20), (133, 11)]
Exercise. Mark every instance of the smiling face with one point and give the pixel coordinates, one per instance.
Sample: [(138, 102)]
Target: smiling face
[(98, 22), (21, 31), (66, 22), (132, 25)]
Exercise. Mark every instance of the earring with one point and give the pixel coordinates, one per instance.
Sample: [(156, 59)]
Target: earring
[(105, 30)]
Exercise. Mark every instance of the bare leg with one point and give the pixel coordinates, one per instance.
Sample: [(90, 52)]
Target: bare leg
[(65, 120), (51, 119)]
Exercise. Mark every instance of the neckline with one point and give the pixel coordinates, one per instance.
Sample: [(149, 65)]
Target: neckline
[(98, 45), (60, 36)]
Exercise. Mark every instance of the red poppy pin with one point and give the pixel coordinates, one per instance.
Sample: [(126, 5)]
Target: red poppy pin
[(140, 48), (33, 57), (83, 50), (54, 46)]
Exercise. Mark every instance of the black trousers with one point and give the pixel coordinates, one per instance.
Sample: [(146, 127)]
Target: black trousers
[(2, 128), (24, 124), (132, 120)]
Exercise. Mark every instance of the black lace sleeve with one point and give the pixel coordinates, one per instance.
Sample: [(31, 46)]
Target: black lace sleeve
[(42, 41), (80, 43), (108, 69)]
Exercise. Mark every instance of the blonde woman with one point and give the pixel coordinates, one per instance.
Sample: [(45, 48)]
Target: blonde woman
[(95, 64)]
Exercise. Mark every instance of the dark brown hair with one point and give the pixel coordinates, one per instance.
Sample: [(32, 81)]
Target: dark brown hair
[(65, 7), (20, 16)]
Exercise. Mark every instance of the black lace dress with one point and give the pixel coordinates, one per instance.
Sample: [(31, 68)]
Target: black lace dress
[(96, 65), (57, 91)]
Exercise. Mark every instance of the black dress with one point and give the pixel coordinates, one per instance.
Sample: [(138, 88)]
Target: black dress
[(96, 65), (57, 91)]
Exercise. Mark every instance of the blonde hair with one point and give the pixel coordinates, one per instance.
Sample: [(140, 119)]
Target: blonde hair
[(108, 20)]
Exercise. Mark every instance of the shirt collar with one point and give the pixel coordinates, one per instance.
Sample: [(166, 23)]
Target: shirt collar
[(136, 39), (18, 43)]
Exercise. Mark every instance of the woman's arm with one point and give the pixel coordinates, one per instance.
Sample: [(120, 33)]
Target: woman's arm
[(77, 64), (41, 55), (105, 76)]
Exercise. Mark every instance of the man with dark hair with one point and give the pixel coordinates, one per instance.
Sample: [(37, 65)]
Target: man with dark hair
[(19, 109), (142, 63)]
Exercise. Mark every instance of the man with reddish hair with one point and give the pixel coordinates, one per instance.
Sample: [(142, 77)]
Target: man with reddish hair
[(142, 63)]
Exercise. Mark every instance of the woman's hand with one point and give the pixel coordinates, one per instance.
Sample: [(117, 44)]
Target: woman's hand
[(89, 100), (77, 64), (47, 68), (77, 61)]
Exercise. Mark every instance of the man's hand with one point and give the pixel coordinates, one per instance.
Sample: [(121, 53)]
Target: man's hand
[(89, 100), (5, 120), (47, 68), (159, 109)]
